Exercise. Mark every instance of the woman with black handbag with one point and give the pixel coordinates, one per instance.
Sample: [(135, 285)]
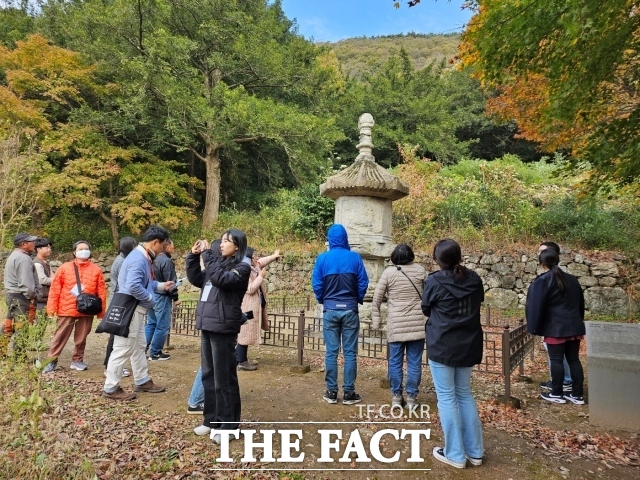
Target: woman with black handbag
[(79, 279)]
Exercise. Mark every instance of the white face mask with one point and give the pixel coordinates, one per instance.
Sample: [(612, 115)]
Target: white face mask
[(83, 254)]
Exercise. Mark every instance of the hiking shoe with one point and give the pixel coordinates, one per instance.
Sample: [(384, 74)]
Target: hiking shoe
[(438, 453), (330, 396), (350, 398), (159, 356), (247, 366), (119, 394), (412, 402), (476, 462), (197, 410), (51, 366), (80, 366), (150, 387), (566, 387), (397, 401), (549, 397), (578, 400), (202, 430)]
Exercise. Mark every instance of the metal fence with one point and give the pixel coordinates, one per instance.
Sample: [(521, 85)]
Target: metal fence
[(506, 340)]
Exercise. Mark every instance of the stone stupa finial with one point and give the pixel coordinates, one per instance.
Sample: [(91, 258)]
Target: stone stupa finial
[(365, 124)]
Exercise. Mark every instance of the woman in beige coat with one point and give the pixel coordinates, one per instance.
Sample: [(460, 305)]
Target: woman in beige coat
[(403, 284), (255, 300)]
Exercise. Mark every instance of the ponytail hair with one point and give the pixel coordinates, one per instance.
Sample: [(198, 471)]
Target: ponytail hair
[(448, 255), (550, 259)]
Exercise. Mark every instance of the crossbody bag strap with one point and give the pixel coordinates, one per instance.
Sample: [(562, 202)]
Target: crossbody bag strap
[(75, 267), (414, 285)]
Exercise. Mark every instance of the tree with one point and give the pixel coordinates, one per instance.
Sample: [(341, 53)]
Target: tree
[(206, 76), (124, 186), (21, 170), (47, 91), (569, 73), (423, 107)]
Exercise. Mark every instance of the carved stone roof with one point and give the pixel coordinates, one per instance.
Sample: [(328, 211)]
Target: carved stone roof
[(364, 178)]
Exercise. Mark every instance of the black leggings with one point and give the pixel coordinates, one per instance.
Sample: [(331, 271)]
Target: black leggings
[(557, 353)]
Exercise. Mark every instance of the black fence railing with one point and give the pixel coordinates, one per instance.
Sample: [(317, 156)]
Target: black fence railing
[(506, 340)]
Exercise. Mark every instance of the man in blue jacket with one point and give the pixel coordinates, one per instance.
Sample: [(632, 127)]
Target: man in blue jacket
[(340, 282), (135, 279)]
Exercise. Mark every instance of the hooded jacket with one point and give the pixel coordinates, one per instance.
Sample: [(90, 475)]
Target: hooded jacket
[(454, 333), (223, 285), (553, 313), (339, 279)]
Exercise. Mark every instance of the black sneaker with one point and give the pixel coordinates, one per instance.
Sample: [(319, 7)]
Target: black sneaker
[(330, 396), (159, 356), (566, 387), (578, 400), (197, 410), (350, 398), (549, 397)]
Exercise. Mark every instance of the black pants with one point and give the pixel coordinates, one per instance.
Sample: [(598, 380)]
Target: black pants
[(220, 380), (109, 350), (557, 353), (241, 353)]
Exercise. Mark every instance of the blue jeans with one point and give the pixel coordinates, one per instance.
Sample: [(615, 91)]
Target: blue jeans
[(197, 391), (414, 351), (458, 412), (158, 323), (567, 371), (341, 327)]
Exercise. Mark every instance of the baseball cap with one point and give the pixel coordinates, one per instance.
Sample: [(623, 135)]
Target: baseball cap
[(23, 237), (43, 242)]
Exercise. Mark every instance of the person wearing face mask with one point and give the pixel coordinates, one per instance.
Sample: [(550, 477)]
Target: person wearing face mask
[(136, 279), (62, 303)]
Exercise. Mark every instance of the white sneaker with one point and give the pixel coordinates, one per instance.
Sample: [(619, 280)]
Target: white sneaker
[(126, 372), (476, 462), (202, 430), (397, 401), (78, 366)]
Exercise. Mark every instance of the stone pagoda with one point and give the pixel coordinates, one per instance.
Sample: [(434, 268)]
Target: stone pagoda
[(363, 194)]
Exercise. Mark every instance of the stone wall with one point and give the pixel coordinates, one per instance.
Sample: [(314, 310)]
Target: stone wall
[(609, 282)]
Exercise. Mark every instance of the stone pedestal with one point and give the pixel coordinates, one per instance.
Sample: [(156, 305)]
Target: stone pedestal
[(613, 353)]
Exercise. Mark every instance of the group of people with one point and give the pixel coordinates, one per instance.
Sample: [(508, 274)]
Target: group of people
[(441, 309)]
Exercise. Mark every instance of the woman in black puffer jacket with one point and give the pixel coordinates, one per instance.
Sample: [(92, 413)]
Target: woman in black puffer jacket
[(555, 311), (224, 282)]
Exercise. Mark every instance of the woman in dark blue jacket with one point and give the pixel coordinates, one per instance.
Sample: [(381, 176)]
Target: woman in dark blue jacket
[(452, 299), (224, 282), (555, 310)]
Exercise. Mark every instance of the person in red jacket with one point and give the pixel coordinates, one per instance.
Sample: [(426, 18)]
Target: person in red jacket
[(62, 303)]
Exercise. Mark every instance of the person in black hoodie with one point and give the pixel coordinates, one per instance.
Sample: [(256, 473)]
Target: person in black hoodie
[(452, 299), (555, 310), (224, 282)]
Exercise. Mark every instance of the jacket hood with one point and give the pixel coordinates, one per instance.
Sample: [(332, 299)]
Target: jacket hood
[(458, 288), (337, 237)]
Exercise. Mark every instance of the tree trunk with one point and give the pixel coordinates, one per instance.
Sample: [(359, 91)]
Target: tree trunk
[(212, 199), (113, 224)]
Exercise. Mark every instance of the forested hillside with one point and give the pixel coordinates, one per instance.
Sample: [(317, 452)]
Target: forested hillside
[(365, 55)]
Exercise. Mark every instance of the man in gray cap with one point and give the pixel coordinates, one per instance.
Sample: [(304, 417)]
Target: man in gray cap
[(21, 284)]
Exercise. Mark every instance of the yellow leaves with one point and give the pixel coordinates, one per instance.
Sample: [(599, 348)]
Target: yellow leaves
[(37, 74)]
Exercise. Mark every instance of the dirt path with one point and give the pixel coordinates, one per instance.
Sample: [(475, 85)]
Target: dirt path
[(273, 395)]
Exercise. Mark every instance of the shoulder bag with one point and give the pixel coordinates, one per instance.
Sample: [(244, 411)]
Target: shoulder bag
[(118, 316), (86, 303)]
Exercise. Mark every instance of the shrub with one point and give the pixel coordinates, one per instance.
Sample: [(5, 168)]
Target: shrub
[(314, 215)]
